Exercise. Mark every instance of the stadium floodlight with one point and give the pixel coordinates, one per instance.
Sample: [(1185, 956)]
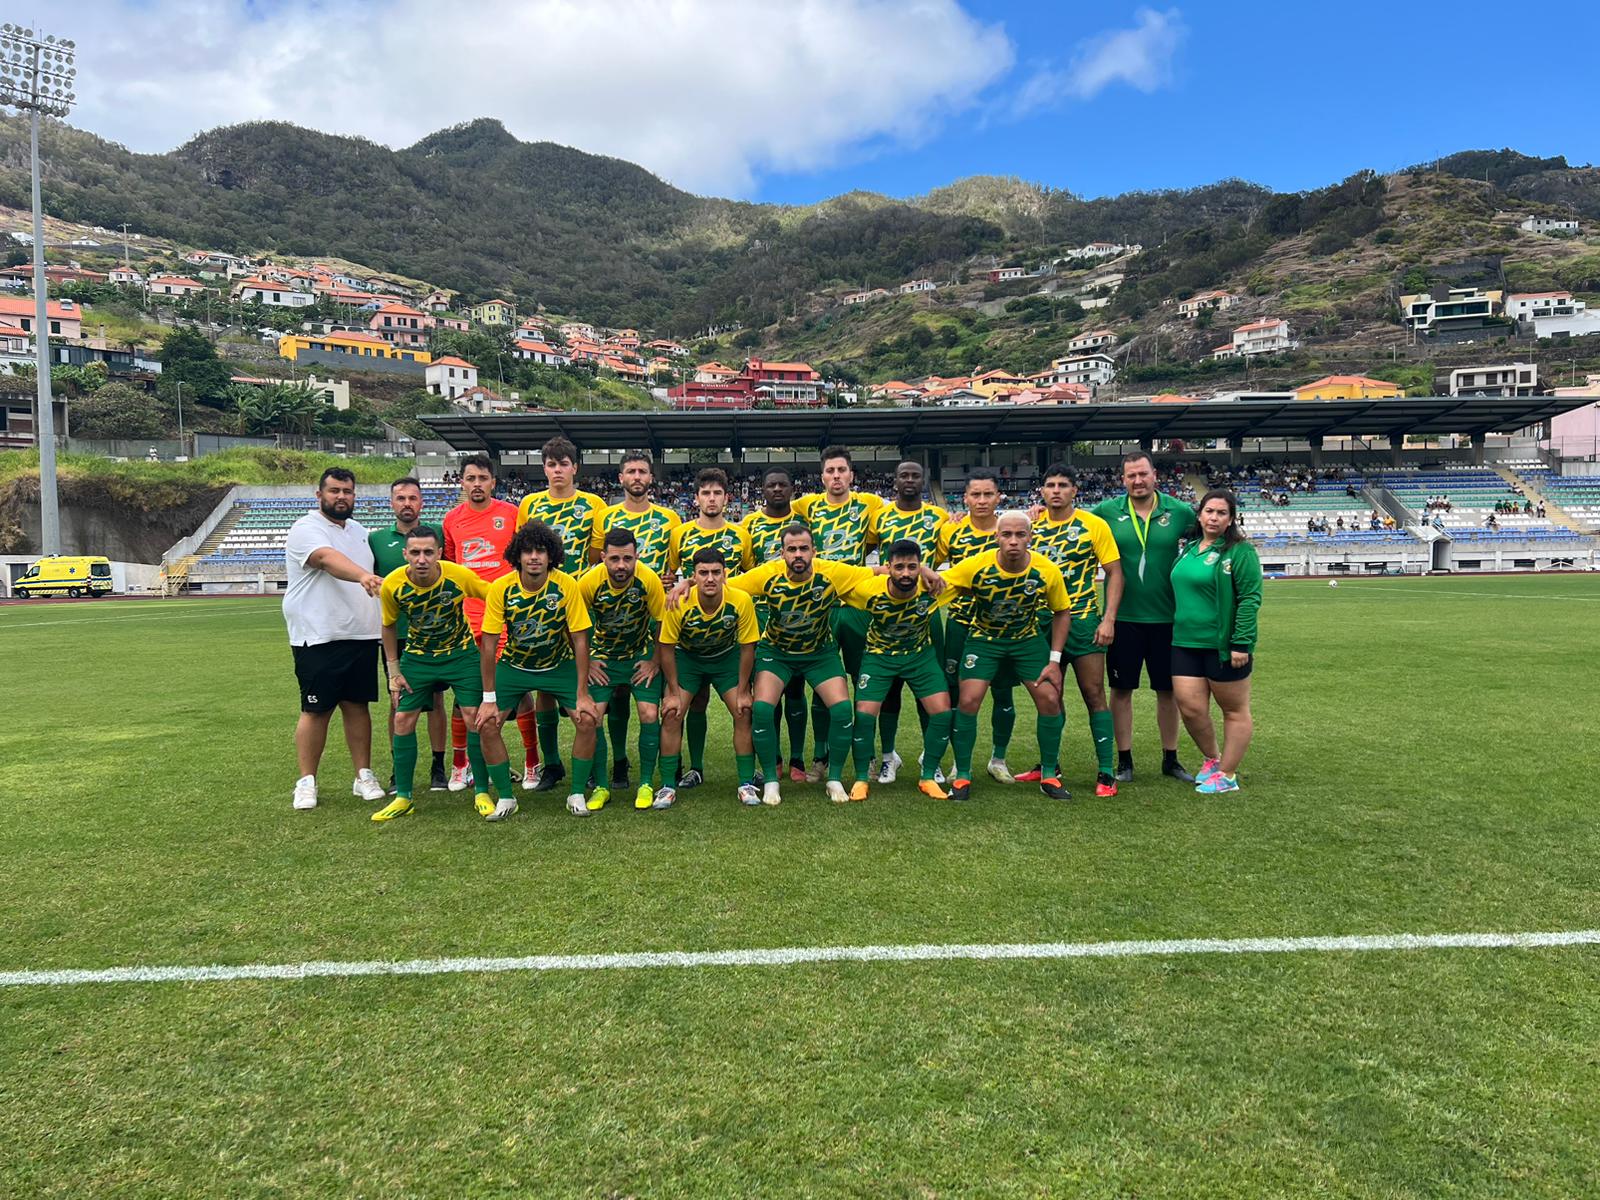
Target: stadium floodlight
[(36, 77)]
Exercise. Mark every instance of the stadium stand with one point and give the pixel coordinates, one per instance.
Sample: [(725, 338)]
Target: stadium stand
[(1578, 496), (1472, 493)]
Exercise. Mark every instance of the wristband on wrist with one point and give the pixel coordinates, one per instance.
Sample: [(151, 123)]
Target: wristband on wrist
[(1055, 656), (488, 698)]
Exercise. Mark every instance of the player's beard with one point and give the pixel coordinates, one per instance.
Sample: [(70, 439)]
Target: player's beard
[(338, 510)]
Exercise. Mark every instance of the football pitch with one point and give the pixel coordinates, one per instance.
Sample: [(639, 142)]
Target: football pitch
[(1424, 764)]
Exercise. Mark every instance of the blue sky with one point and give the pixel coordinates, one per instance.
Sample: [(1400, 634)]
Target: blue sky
[(1292, 95), (797, 100)]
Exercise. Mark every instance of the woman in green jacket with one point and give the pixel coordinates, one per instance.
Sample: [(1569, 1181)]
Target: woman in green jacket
[(1216, 587)]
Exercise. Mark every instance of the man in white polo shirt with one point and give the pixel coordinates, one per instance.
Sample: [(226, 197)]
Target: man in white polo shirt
[(334, 630)]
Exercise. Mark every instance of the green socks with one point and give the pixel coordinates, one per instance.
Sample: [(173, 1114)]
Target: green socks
[(1105, 742), (404, 749), (841, 731), (936, 739), (821, 736), (963, 737), (669, 770), (649, 748), (549, 724), (694, 731), (863, 743), (597, 766), (794, 716), (617, 721), (764, 729), (582, 768), (500, 775), (1049, 730), (1003, 720), (480, 769), (888, 720), (747, 768)]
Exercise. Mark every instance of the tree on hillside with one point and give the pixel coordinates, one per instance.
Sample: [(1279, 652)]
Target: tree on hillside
[(188, 358), (116, 411)]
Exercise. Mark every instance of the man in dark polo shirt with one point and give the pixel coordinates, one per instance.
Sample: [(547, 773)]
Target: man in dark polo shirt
[(389, 554), (1150, 528)]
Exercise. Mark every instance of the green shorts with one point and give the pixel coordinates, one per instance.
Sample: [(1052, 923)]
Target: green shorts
[(850, 627), (987, 659), (427, 674), (1080, 637), (921, 670), (815, 669), (721, 671), (955, 642), (511, 684), (620, 672)]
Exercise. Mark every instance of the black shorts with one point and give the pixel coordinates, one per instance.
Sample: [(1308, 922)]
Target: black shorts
[(333, 673), (1208, 664), (1140, 645)]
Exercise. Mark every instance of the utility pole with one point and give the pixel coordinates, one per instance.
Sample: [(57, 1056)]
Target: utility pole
[(126, 264), (36, 76)]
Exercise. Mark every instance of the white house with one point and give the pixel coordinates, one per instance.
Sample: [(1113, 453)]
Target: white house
[(577, 329), (1269, 336), (450, 377), (481, 400), (1460, 308), (1549, 225), (1197, 304), (543, 353), (917, 285), (1090, 370), (1512, 379), (173, 285), (1525, 306), (1575, 324), (1226, 350), (1092, 340), (271, 294), (125, 275), (1105, 250), (865, 297)]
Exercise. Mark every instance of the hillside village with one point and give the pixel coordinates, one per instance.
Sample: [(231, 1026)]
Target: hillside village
[(1067, 326)]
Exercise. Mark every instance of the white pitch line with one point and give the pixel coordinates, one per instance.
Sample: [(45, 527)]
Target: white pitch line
[(84, 622), (795, 955)]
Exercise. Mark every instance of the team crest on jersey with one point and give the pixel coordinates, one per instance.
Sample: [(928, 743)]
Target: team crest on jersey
[(1074, 531), (499, 522), (862, 682), (1227, 567), (1164, 519), (1030, 587), (728, 618), (552, 602), (1211, 558), (970, 661)]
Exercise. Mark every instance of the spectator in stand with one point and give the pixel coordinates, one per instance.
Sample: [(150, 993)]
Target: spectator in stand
[(1339, 524), (1491, 523), (1375, 521), (1539, 512)]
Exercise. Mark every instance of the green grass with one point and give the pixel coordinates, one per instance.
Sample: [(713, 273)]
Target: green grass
[(1423, 763), (248, 466)]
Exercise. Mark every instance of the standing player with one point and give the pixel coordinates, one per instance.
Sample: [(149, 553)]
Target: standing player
[(709, 530), (960, 540), (901, 613), (652, 526), (1150, 528), (625, 602), (840, 521), (1005, 588), (476, 534), (389, 555), (570, 513), (1080, 544), (765, 526), (708, 641), (910, 519), (539, 613), (432, 595)]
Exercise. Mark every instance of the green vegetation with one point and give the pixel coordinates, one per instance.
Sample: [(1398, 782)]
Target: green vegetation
[(1420, 1074), (248, 466)]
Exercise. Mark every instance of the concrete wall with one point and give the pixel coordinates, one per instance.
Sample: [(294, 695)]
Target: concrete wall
[(357, 362)]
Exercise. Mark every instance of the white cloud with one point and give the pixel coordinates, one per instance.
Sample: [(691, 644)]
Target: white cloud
[(709, 95), (1141, 57)]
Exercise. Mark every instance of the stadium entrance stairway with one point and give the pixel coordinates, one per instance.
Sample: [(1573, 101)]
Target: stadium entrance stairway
[(1536, 483)]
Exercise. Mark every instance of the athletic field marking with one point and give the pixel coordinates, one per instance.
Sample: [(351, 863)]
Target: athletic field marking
[(1432, 593), (107, 620), (795, 955)]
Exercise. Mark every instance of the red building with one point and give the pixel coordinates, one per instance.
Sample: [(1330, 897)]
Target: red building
[(767, 384)]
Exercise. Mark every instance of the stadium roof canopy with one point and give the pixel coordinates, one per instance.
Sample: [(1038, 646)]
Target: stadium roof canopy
[(919, 428)]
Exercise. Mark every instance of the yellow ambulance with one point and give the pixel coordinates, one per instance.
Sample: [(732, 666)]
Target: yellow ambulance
[(66, 575)]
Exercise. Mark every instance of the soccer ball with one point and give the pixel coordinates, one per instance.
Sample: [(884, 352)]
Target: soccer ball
[(1333, 583)]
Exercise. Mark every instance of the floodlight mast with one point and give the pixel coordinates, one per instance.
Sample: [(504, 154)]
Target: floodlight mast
[(36, 75)]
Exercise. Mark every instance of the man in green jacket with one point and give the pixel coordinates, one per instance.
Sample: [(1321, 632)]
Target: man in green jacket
[(1150, 529)]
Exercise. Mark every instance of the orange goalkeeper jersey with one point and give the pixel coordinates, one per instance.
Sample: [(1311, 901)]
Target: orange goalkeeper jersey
[(478, 540)]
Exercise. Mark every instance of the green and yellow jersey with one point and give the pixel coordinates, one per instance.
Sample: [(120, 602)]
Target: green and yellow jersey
[(538, 624), (571, 518), (766, 533), (921, 525), (694, 630), (960, 540), (1079, 545), (839, 531), (798, 609), (1005, 605), (895, 625), (434, 617), (624, 618), (691, 537), (652, 528)]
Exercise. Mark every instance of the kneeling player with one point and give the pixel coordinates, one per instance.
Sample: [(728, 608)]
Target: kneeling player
[(708, 640), (539, 608), (1005, 588), (899, 646), (430, 595)]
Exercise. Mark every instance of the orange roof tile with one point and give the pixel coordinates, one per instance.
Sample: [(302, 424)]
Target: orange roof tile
[(451, 360)]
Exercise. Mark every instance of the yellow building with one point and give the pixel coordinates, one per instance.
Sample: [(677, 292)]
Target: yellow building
[(356, 344), (994, 383), (494, 312), (1348, 387)]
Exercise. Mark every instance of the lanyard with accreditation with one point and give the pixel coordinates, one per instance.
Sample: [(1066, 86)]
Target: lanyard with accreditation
[(1142, 532)]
